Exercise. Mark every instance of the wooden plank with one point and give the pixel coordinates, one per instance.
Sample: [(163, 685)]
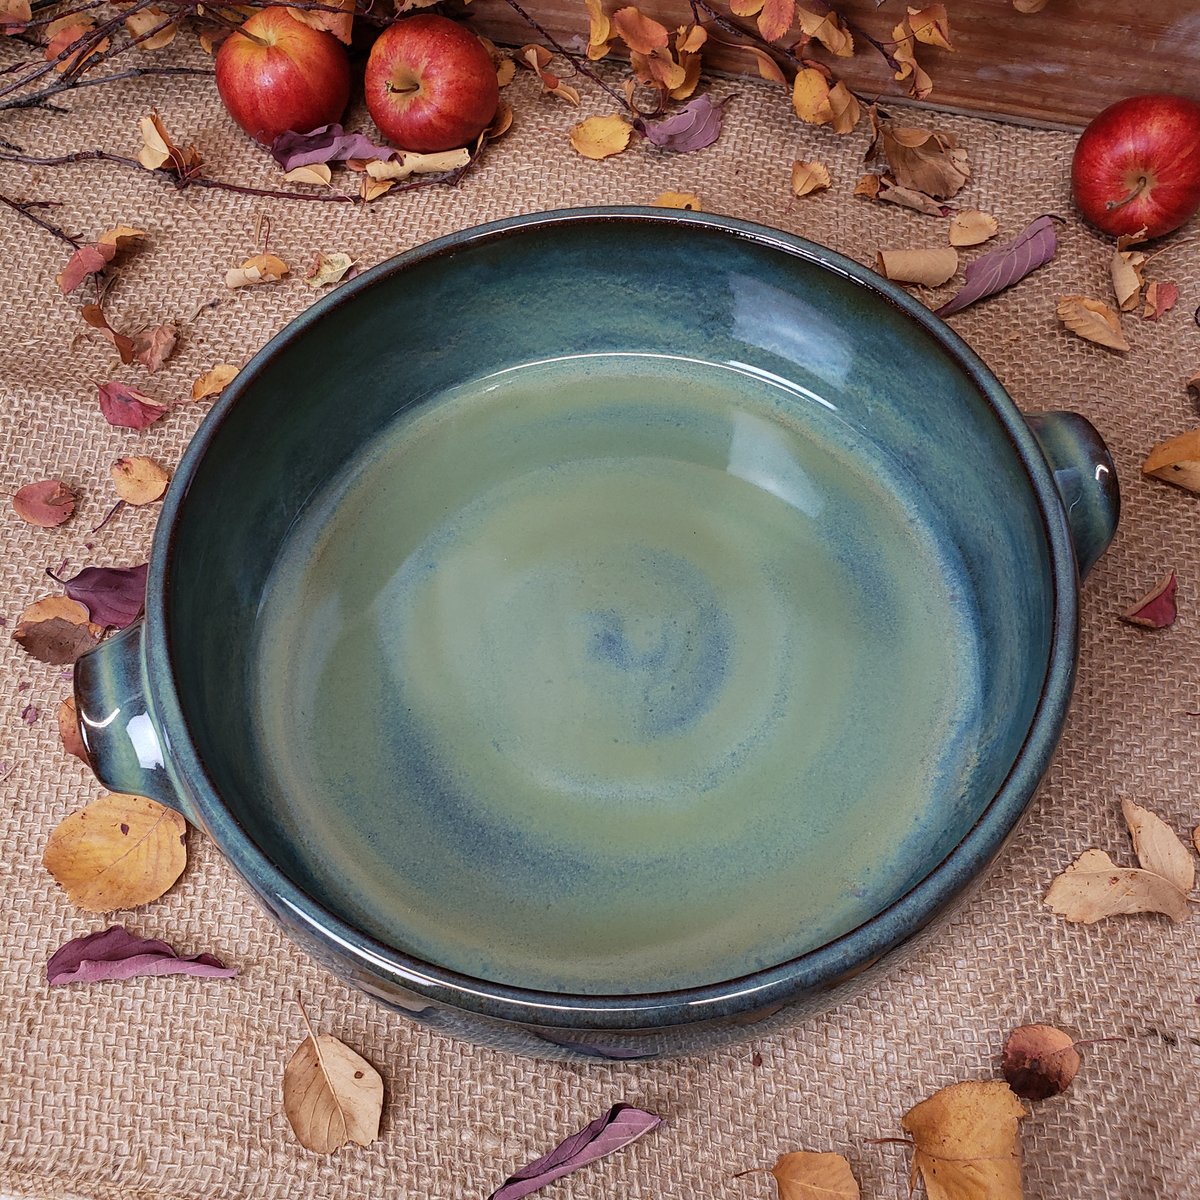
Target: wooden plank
[(1056, 67)]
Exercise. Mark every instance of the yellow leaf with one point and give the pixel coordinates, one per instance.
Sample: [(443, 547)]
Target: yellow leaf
[(411, 163), (967, 1142), (120, 234), (691, 77), (869, 185), (372, 189), (506, 70), (745, 8), (262, 268), (931, 25), (331, 1095), (1093, 320), (775, 18), (1177, 461), (158, 150), (1125, 267), (845, 108), (690, 39), (601, 137), (1157, 847), (930, 268), (144, 20), (638, 31), (1094, 887), (810, 97), (318, 173), (971, 227), (118, 852), (139, 480), (340, 24), (807, 1175), (600, 31), (768, 68), (214, 382), (919, 83), (688, 200), (809, 177), (827, 28), (328, 269)]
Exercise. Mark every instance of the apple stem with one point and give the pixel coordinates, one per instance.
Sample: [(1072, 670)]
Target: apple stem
[(1137, 191), (404, 91)]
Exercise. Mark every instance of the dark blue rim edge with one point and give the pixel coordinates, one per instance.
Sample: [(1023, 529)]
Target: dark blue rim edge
[(759, 990)]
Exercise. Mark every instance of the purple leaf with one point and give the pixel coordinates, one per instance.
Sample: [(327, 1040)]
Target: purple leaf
[(115, 953), (618, 1127), (112, 595), (696, 125), (329, 143), (1000, 268)]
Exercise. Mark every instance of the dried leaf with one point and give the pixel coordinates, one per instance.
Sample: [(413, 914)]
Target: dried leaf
[(1094, 887), (66, 32), (775, 18), (15, 16), (159, 152), (331, 1095), (94, 316), (47, 503), (809, 177), (213, 382), (118, 852), (845, 108), (326, 144), (696, 125), (930, 268), (1157, 847), (538, 59), (807, 1175), (890, 192), (329, 269), (768, 68), (1093, 320), (1125, 267), (112, 595), (827, 28), (340, 24), (925, 160), (68, 731), (1005, 265), (1177, 461), (1039, 1061), (1030, 6), (1160, 297), (971, 227), (601, 137), (506, 69), (409, 162), (127, 407), (145, 20), (56, 630), (87, 260), (119, 235), (316, 173), (1156, 609), (931, 25), (907, 67), (685, 200), (115, 953), (810, 97), (139, 480), (152, 347), (967, 1142), (639, 32), (262, 268), (600, 31), (372, 189), (620, 1126)]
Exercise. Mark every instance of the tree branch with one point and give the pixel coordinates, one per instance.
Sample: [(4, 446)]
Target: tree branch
[(23, 208)]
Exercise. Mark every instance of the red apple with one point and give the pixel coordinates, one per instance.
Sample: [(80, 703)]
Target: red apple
[(430, 84), (281, 74), (1138, 165)]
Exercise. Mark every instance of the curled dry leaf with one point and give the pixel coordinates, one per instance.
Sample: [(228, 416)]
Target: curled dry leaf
[(128, 408), (87, 260), (113, 596), (809, 177), (340, 23), (1039, 1061), (317, 174), (538, 59), (686, 200), (809, 1175), (971, 227), (329, 269), (139, 480), (907, 68), (56, 630), (1093, 320), (600, 31), (828, 28), (696, 125), (153, 25), (931, 25), (1177, 460), (331, 1095), (94, 316), (1094, 887), (325, 144), (1000, 268), (118, 852), (115, 953), (1156, 609), (213, 382), (159, 152), (817, 103), (1125, 267), (409, 162), (47, 503), (930, 268), (967, 1141), (1160, 297), (153, 346), (262, 268), (68, 731), (15, 16), (601, 137), (885, 188), (1157, 847), (1030, 6), (925, 160)]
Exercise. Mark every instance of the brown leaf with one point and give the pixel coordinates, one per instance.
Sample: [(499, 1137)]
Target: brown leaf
[(15, 15), (775, 18), (885, 188), (930, 268), (1030, 6), (601, 137), (160, 152), (93, 314), (967, 1142), (214, 381), (1125, 267), (685, 200), (845, 108), (1177, 460), (925, 160), (1094, 887), (331, 1095), (809, 177), (56, 630), (87, 260), (808, 1175), (65, 33), (1160, 297), (47, 503), (827, 28), (118, 852), (119, 235), (869, 185), (1039, 1061), (68, 731), (261, 268), (931, 25), (147, 19), (810, 97), (919, 83), (328, 269), (153, 346), (768, 68), (1157, 847), (1156, 609), (506, 69), (640, 33), (971, 227), (340, 24), (538, 58), (139, 480), (1093, 320)]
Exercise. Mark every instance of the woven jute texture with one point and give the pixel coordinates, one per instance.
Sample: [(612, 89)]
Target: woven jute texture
[(170, 1087)]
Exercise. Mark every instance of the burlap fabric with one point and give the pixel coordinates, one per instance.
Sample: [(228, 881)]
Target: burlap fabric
[(171, 1087)]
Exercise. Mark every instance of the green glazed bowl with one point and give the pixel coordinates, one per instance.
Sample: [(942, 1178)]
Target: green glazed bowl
[(600, 632)]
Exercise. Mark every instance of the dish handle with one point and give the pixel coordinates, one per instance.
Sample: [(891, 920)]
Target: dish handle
[(1086, 479), (121, 738)]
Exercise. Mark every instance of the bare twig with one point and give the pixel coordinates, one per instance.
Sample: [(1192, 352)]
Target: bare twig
[(24, 207)]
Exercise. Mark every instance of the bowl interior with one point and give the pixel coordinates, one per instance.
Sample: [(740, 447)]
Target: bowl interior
[(608, 606)]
